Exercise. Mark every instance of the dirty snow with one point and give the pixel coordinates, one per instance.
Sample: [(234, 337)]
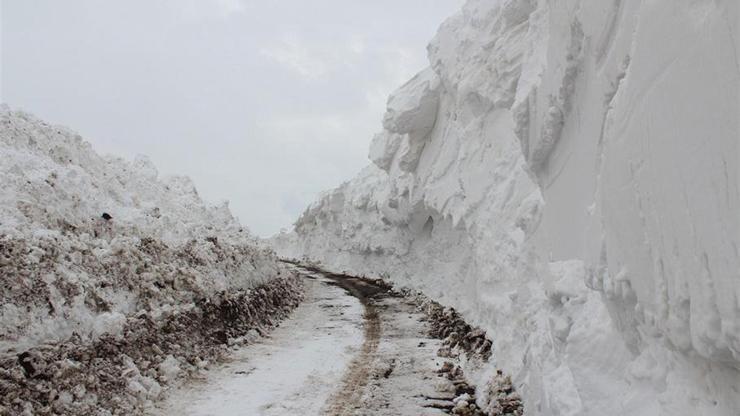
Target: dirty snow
[(115, 282), (68, 271)]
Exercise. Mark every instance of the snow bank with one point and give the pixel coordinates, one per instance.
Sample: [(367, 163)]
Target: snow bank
[(67, 270), (116, 282), (565, 174)]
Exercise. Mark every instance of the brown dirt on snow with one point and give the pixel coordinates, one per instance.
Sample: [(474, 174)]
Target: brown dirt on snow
[(106, 377), (346, 400)]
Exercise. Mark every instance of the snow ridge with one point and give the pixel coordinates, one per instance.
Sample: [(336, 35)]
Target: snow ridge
[(116, 282), (565, 175), (58, 252)]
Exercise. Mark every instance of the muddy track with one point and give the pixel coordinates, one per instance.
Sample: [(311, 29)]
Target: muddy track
[(355, 347), (348, 398), (410, 358)]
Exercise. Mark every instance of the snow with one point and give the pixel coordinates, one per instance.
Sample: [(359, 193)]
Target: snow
[(565, 175), (67, 271)]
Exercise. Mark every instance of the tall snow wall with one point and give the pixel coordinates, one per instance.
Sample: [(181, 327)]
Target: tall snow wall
[(65, 271), (565, 174)]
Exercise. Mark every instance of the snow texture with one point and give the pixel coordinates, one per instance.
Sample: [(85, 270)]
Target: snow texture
[(565, 174), (87, 241)]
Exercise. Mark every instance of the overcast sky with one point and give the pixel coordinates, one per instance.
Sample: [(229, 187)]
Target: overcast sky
[(262, 103)]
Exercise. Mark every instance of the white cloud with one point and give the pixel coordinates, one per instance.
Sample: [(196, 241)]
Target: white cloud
[(309, 62), (198, 10), (357, 45)]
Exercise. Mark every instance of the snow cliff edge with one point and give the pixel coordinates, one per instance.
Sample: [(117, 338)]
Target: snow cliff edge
[(565, 175)]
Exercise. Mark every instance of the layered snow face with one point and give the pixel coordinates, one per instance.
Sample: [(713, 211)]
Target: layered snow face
[(66, 270), (565, 174)]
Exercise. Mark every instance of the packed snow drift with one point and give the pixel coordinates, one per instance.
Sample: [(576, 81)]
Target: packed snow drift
[(565, 174), (115, 281)]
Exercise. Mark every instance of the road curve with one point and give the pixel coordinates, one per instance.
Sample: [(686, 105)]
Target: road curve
[(350, 349)]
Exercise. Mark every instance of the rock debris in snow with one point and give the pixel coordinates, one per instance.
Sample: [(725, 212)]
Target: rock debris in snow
[(498, 396)]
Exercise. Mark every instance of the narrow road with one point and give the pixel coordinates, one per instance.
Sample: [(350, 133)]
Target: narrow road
[(349, 349)]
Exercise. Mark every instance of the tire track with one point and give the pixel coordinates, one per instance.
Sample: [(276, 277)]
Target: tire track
[(349, 397)]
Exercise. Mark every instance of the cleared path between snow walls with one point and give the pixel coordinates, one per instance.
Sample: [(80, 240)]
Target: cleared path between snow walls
[(353, 347)]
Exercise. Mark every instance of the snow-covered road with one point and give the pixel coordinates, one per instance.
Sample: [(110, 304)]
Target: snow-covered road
[(292, 371), (346, 350)]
